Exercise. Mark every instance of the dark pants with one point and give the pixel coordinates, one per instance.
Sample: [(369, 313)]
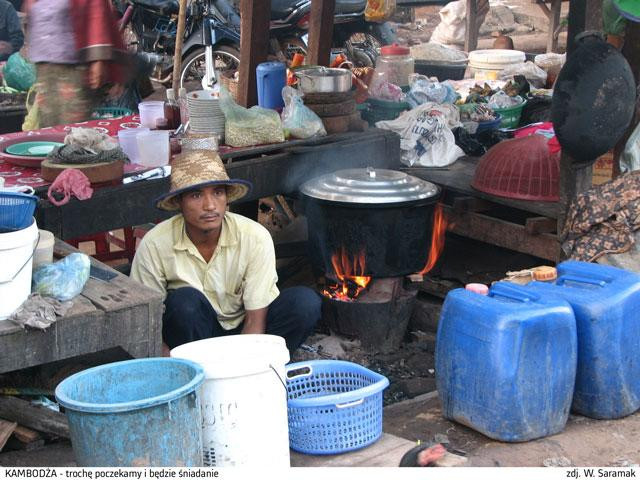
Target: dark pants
[(189, 316)]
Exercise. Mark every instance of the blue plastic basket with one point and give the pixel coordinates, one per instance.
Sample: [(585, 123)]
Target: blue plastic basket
[(333, 406), (16, 210)]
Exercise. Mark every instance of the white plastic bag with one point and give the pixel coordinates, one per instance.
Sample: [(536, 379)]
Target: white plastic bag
[(297, 119), (426, 139), (452, 24), (630, 158), (536, 76)]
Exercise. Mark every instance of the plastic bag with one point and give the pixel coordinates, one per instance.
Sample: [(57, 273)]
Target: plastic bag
[(426, 139), (32, 118), (424, 90), (452, 24), (383, 90), (18, 73), (64, 279), (630, 158), (379, 10), (245, 127), (502, 100), (297, 119), (533, 73)]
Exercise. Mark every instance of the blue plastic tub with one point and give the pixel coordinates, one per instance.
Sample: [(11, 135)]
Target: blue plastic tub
[(333, 406), (506, 362), (136, 413), (606, 302)]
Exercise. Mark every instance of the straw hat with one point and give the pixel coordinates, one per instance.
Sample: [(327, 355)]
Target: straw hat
[(195, 169)]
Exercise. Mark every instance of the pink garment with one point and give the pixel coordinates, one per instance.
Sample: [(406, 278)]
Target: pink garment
[(545, 129), (70, 181)]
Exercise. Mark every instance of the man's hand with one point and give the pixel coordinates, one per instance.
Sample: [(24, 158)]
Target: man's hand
[(5, 48), (97, 74), (255, 321)]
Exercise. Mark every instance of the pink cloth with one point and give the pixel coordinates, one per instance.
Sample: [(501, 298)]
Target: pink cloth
[(545, 129), (71, 181)]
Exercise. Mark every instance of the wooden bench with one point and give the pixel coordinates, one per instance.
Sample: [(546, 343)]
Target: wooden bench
[(553, 15), (118, 313)]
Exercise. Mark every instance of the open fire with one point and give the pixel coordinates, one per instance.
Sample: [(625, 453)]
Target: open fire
[(348, 272), (440, 224)]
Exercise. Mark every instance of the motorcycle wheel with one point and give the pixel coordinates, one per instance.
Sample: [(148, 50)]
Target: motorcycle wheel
[(225, 57)]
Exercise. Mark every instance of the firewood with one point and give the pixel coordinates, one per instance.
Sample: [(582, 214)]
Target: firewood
[(26, 435), (6, 429), (37, 418)]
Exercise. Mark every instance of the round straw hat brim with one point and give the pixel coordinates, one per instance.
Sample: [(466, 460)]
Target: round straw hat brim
[(236, 189)]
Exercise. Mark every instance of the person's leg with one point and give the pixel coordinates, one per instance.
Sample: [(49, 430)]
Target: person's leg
[(293, 315), (188, 316)]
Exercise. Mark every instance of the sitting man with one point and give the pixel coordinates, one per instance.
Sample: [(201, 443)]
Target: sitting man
[(216, 268), (11, 36)]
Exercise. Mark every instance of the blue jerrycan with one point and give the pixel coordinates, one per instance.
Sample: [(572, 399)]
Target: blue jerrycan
[(606, 303), (506, 362)]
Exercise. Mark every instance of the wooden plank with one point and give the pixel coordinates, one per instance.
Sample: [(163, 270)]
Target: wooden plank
[(320, 32), (458, 178), (544, 9), (472, 27), (6, 429), (254, 46), (386, 452), (470, 204), (26, 435), (37, 418), (177, 55), (503, 234), (537, 225), (554, 22)]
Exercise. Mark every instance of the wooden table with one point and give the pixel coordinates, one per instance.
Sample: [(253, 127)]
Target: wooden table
[(119, 313), (272, 169)]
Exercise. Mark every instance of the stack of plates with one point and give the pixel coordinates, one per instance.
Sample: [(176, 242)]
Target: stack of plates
[(205, 115)]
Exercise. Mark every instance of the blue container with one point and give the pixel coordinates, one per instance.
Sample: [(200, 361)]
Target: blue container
[(333, 406), (606, 302), (137, 413), (506, 362), (271, 78)]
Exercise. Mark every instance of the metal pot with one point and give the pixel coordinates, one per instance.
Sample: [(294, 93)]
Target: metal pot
[(323, 80), (384, 214)]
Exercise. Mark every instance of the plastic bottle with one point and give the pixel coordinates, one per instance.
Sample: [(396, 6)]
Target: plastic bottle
[(171, 110)]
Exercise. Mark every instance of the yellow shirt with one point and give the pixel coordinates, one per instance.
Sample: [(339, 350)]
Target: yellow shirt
[(241, 274)]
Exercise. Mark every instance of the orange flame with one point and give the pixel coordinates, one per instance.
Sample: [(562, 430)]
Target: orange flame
[(440, 224), (349, 272)]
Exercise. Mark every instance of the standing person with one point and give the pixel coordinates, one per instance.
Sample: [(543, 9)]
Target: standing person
[(217, 269), (77, 49), (11, 36)]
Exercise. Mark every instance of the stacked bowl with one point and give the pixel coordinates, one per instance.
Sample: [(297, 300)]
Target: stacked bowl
[(205, 115)]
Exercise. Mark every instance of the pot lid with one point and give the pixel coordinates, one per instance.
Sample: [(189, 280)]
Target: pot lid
[(369, 186), (395, 49)]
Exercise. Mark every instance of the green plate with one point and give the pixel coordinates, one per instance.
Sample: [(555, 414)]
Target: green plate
[(32, 149)]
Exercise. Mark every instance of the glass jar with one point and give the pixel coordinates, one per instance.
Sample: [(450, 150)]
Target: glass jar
[(395, 64)]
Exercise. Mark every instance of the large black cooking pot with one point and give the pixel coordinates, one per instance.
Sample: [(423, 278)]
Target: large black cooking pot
[(385, 214), (593, 99)]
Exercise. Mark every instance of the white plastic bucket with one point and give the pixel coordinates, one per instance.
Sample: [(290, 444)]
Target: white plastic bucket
[(16, 256), (487, 64), (153, 148), (129, 144), (244, 400), (150, 112)]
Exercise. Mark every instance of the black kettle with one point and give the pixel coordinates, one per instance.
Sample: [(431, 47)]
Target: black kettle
[(593, 100)]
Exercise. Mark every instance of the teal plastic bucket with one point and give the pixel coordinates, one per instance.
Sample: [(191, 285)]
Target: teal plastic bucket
[(136, 413)]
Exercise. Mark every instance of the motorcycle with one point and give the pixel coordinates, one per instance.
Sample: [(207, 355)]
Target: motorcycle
[(212, 30)]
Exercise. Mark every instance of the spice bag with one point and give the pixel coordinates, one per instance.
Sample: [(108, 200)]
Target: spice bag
[(298, 120), (246, 127)]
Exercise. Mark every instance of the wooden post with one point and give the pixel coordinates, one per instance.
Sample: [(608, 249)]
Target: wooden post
[(472, 27), (177, 56), (554, 22), (321, 31), (573, 180), (254, 46)]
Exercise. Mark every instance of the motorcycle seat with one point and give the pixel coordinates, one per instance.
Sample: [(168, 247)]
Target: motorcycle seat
[(345, 7), (281, 9), (162, 7)]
